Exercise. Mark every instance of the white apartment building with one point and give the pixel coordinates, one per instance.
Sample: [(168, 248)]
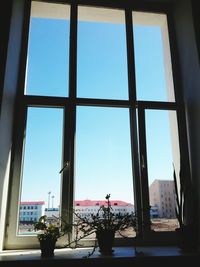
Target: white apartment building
[(85, 207), (162, 195), (52, 213), (31, 211)]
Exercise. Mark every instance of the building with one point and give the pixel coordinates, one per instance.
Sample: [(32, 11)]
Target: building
[(86, 207), (162, 195), (154, 212), (51, 213), (31, 211)]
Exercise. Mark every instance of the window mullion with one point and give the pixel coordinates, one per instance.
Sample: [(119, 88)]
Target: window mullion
[(70, 119), (73, 52), (133, 119), (67, 173), (144, 171), (130, 56)]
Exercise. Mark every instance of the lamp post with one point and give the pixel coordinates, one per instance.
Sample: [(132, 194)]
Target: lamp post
[(49, 193), (52, 200)]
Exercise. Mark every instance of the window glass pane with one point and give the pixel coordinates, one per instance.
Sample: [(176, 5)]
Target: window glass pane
[(103, 161), (102, 59), (162, 153), (154, 81), (40, 189), (48, 50)]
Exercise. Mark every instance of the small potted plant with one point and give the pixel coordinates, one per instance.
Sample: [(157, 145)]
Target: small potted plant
[(104, 224), (48, 234)]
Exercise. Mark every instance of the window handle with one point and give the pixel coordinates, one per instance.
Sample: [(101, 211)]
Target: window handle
[(65, 166), (143, 163)]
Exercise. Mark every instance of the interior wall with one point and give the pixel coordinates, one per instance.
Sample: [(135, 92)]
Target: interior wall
[(5, 14), (196, 19), (9, 91), (190, 83)]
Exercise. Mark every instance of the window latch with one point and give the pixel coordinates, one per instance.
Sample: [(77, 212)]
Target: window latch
[(65, 166), (143, 163)]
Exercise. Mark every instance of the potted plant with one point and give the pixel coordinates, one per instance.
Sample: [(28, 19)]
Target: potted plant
[(48, 234), (104, 224)]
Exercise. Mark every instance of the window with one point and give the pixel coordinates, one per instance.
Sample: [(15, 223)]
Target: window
[(152, 56), (99, 95), (49, 32), (103, 144), (101, 42)]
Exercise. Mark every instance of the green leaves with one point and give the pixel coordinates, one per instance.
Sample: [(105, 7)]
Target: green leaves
[(104, 219), (51, 230)]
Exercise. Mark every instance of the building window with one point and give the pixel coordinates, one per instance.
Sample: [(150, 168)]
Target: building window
[(106, 75)]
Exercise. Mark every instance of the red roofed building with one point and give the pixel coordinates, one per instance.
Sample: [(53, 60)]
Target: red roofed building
[(32, 203), (86, 207), (88, 202)]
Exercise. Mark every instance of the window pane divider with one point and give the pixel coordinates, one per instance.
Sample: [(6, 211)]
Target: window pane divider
[(133, 119), (70, 113), (73, 52), (45, 101), (103, 102), (156, 105), (66, 174), (130, 55), (144, 172)]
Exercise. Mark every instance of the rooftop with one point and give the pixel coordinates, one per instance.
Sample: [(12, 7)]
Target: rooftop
[(88, 202), (32, 203)]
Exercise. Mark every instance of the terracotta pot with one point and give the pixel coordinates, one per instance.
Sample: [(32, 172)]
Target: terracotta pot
[(47, 247), (105, 240)]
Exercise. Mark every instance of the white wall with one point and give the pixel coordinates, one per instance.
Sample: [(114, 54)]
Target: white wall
[(7, 107), (190, 86)]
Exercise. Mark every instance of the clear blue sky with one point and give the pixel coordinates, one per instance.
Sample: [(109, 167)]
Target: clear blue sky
[(103, 160)]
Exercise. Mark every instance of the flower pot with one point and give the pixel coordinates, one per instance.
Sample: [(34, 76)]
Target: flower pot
[(47, 247), (105, 240)]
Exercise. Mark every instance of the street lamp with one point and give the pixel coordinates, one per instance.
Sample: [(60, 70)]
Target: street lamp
[(49, 193), (52, 200)]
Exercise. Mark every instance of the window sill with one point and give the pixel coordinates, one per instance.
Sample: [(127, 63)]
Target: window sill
[(121, 256)]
